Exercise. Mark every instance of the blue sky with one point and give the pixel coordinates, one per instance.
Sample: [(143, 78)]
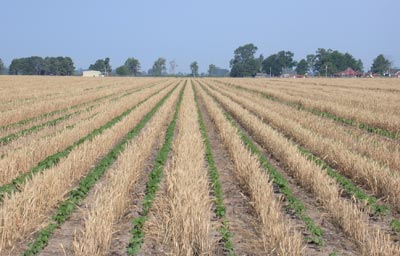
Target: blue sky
[(206, 31)]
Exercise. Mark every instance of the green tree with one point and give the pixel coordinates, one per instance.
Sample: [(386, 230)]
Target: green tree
[(275, 63), (380, 65), (15, 67), (132, 66), (211, 69), (330, 62), (216, 71), (360, 65), (56, 66), (194, 67), (302, 67), (260, 61), (34, 65), (107, 66), (1, 67), (59, 66), (122, 71), (244, 63), (102, 66), (311, 59), (159, 67)]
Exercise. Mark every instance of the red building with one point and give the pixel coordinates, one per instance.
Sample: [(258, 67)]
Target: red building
[(349, 72)]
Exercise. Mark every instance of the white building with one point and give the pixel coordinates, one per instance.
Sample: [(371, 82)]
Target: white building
[(92, 73)]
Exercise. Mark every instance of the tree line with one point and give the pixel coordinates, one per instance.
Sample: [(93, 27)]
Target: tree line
[(323, 62), (35, 65)]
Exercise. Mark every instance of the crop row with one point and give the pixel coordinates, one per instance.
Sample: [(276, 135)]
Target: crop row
[(47, 151), (310, 176), (43, 110), (277, 233), (153, 183), (48, 188), (41, 120), (294, 204), (379, 179), (378, 124), (112, 198), (183, 209), (216, 186)]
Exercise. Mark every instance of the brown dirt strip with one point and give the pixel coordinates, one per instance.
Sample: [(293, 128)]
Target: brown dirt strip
[(152, 244), (122, 235), (335, 239), (62, 239), (382, 221), (239, 211), (153, 240)]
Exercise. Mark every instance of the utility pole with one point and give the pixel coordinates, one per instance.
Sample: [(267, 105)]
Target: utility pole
[(270, 71), (172, 66), (326, 70)]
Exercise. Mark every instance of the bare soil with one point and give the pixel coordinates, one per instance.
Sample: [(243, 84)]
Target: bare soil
[(241, 217), (335, 240), (122, 235), (61, 241)]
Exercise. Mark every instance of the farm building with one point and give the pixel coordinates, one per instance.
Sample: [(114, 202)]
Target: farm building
[(288, 72), (259, 75), (349, 72), (393, 72), (92, 73)]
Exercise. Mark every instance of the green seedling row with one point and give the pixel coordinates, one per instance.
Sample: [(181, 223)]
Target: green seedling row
[(294, 205), (58, 111), (13, 136), (155, 177), (76, 196), (350, 188), (220, 208), (351, 122), (52, 160)]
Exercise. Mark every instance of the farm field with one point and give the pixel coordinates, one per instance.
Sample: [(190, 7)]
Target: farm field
[(199, 166)]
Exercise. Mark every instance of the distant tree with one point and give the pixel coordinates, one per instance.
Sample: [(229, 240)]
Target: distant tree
[(275, 63), (98, 65), (211, 69), (1, 67), (380, 65), (302, 67), (159, 67), (122, 71), (69, 66), (102, 66), (59, 66), (172, 67), (194, 67), (360, 65), (330, 62), (107, 66), (244, 63), (133, 66), (260, 61), (34, 66), (311, 62), (28, 66), (216, 71), (15, 67)]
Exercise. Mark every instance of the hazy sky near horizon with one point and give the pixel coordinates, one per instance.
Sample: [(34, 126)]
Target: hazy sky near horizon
[(206, 31)]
